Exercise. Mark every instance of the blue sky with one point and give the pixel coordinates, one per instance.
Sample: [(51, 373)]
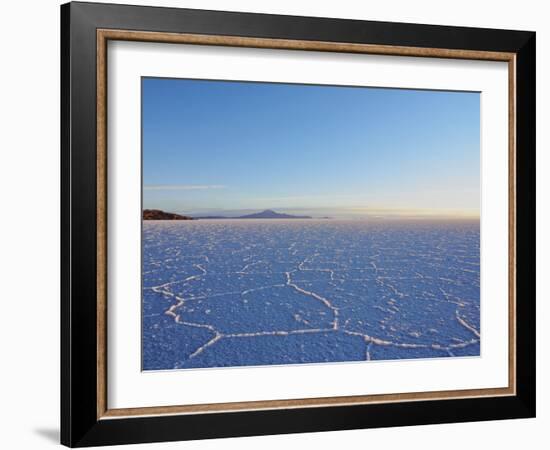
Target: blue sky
[(218, 147)]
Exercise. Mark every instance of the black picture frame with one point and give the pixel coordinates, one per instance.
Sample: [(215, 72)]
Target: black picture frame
[(80, 425)]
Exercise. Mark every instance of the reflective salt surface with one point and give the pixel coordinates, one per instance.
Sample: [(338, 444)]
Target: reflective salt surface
[(220, 293)]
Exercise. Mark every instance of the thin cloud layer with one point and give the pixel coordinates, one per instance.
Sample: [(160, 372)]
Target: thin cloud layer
[(182, 187)]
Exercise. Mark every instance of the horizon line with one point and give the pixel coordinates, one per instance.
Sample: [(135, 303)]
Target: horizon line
[(343, 213)]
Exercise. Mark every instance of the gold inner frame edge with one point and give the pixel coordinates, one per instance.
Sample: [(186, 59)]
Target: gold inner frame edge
[(103, 36)]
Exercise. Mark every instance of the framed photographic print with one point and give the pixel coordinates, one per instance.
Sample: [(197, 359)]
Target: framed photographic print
[(277, 224)]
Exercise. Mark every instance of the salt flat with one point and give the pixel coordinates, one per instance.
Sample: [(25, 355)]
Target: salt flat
[(219, 293)]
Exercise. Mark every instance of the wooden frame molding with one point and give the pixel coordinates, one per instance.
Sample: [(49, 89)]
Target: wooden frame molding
[(103, 36)]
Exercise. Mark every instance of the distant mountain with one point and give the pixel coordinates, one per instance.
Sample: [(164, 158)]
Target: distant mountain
[(266, 214), (157, 214), (270, 214)]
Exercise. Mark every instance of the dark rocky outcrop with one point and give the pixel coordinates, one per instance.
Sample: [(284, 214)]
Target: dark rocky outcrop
[(157, 214)]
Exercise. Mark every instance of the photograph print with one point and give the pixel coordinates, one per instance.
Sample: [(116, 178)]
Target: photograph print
[(307, 224)]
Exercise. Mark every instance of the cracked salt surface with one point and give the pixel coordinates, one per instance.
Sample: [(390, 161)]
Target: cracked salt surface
[(221, 293)]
